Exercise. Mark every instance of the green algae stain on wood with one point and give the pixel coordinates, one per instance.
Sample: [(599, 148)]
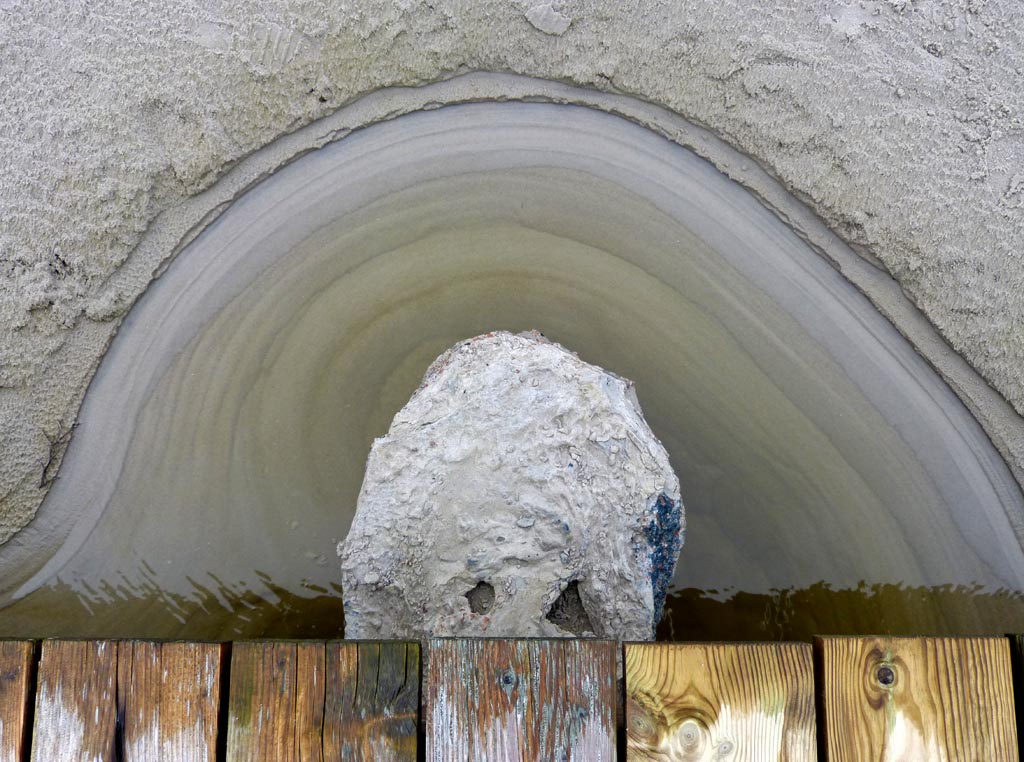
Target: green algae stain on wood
[(262, 701), (323, 701), (520, 700)]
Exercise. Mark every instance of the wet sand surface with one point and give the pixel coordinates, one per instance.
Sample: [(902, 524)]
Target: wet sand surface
[(221, 447)]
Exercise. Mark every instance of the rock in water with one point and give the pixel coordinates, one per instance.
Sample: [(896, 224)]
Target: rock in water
[(519, 493)]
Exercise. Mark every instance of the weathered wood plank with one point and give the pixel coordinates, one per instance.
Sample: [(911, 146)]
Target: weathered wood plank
[(262, 704), (917, 698), (15, 682), (720, 701), (76, 701), (520, 700), (169, 696), (311, 701), (130, 701), (372, 701)]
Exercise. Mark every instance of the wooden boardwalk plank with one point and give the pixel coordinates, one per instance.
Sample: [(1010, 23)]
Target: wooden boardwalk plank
[(372, 701), (917, 698), (76, 701), (127, 701), (741, 702), (263, 723), (169, 697), (520, 700), (15, 683), (325, 702), (309, 701)]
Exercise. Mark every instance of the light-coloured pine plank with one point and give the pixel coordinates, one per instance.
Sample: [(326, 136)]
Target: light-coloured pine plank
[(520, 700), (372, 701), (76, 709), (743, 702), (917, 698), (15, 673), (311, 701)]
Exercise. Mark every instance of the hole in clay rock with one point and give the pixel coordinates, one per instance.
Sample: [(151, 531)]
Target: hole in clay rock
[(568, 613), (481, 598)]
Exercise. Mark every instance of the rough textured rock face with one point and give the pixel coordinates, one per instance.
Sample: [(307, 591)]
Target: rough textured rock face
[(519, 493)]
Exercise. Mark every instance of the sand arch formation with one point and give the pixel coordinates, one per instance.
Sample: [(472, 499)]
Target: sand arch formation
[(802, 397)]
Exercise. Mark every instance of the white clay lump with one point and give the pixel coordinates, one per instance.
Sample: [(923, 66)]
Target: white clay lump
[(519, 493)]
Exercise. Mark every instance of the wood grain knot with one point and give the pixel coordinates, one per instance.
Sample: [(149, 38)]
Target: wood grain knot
[(885, 675), (692, 734)]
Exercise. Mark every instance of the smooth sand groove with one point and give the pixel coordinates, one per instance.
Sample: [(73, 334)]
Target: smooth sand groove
[(226, 430)]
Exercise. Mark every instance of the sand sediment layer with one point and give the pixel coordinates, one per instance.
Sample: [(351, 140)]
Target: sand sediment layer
[(224, 437)]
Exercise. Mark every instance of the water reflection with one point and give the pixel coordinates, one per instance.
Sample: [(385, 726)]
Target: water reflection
[(879, 609), (214, 610), (218, 610)]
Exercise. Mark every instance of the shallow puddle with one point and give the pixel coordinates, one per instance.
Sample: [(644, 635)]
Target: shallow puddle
[(219, 611), (222, 444)]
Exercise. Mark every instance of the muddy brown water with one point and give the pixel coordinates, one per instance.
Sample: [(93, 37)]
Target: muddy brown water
[(219, 611), (832, 482)]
